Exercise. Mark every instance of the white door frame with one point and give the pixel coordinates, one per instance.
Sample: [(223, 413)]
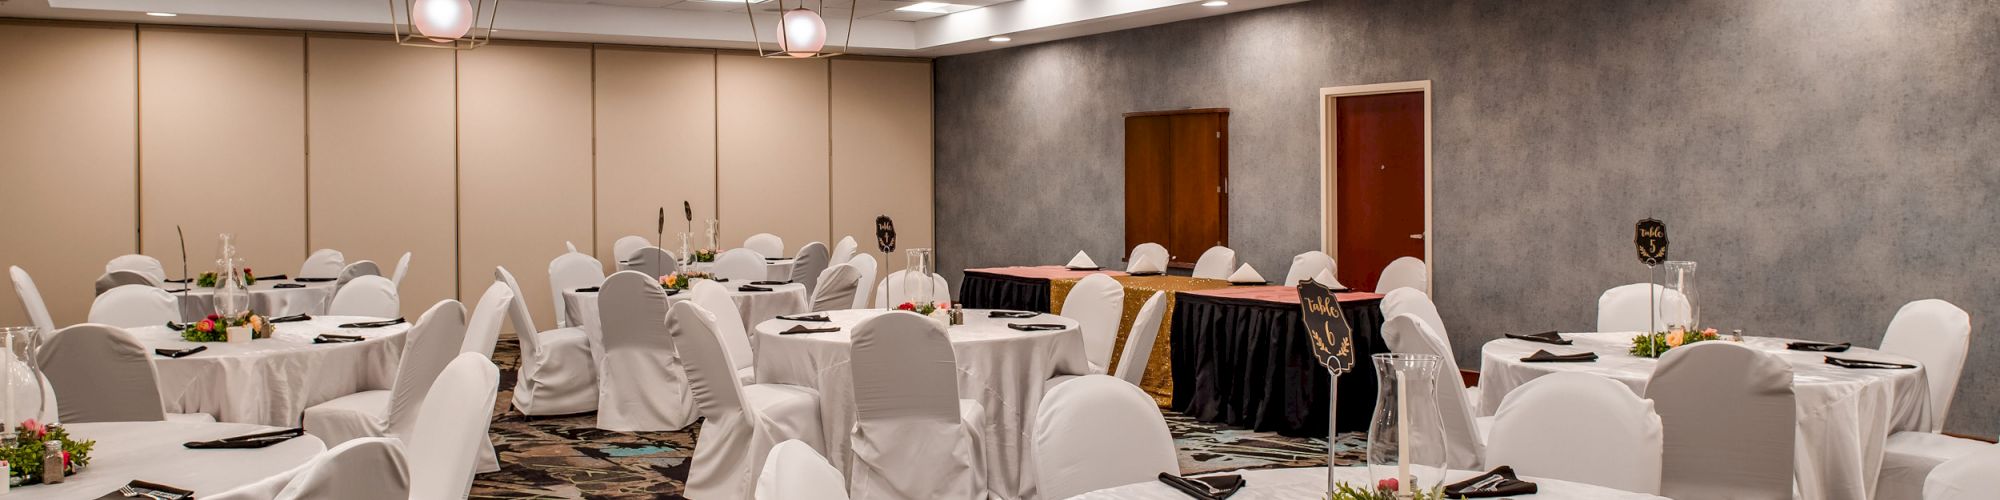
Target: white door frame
[(1328, 195)]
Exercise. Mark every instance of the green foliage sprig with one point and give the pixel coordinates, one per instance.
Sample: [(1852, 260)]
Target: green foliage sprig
[(215, 328), (704, 255), (24, 459), (1658, 343), (1344, 491)]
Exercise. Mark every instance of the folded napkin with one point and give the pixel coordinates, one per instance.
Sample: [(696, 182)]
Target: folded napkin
[(182, 280), (798, 329), (1205, 488), (587, 289), (148, 491), (314, 280), (814, 318), (1146, 266), (1499, 483), (1818, 346), (330, 338), (177, 290), (752, 288), (774, 259), (287, 285), (373, 324), (1866, 364), (1082, 262), (1012, 314), (1548, 337), (176, 326), (1325, 278), (770, 283), (180, 353), (1246, 276), (274, 277), (292, 318), (258, 440), (1035, 327), (671, 293), (1543, 356)]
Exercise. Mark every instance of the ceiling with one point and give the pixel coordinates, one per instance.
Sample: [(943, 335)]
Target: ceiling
[(922, 29)]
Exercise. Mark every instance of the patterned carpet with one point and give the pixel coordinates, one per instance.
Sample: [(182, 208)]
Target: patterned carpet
[(565, 457)]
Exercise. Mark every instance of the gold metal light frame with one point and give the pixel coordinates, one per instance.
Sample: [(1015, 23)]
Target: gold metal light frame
[(404, 26), (819, 7)]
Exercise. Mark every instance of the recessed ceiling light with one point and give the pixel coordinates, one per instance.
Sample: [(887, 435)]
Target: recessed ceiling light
[(1215, 3), (1000, 39), (161, 14), (928, 7)]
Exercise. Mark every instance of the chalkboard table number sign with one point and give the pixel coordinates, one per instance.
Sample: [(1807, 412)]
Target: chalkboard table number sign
[(1649, 237), (1333, 346)]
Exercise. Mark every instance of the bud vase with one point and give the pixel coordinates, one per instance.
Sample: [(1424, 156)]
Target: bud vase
[(1406, 440)]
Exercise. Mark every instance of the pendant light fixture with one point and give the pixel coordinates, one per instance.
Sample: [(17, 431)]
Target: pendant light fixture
[(447, 24), (802, 33)]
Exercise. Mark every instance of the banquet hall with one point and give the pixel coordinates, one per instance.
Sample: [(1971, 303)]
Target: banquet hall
[(999, 249)]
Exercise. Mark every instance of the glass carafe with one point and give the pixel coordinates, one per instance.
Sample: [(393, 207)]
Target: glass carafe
[(21, 381), (1407, 448), (1680, 278), (916, 285), (231, 298)]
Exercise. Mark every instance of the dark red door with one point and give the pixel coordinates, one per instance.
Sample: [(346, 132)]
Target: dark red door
[(1379, 154)]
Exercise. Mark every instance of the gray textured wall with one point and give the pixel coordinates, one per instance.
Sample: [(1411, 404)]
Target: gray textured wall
[(1824, 161)]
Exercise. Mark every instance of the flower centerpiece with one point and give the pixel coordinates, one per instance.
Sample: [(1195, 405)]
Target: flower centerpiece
[(210, 279), (24, 458), (1384, 490), (1657, 344), (215, 328), (704, 255), (683, 280), (936, 311)]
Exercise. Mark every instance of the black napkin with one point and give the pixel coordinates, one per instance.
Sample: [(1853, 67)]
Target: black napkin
[(289, 319), (671, 293), (161, 491), (258, 440), (180, 353), (1035, 327), (798, 329), (752, 288), (587, 289), (1506, 484), (1866, 364), (1247, 283), (1543, 356), (814, 318), (330, 338), (177, 290), (1084, 268), (273, 277), (1012, 314), (1818, 346), (777, 258), (1548, 337), (720, 280), (1205, 488), (314, 280), (176, 326), (182, 280), (287, 285), (770, 283), (373, 324), (1154, 273)]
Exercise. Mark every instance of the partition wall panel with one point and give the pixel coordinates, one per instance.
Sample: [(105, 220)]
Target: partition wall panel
[(882, 151), (773, 160), (655, 144)]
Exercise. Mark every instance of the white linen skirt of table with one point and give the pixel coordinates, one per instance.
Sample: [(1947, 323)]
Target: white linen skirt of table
[(774, 270), (271, 381), (265, 298), (152, 452), (752, 307), (1290, 484), (1002, 368), (1844, 414)]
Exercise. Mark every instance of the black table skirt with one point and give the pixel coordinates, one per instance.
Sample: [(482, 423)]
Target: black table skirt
[(996, 291), (1248, 363)]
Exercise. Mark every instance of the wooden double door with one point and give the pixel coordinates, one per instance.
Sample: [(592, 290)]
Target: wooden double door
[(1176, 181)]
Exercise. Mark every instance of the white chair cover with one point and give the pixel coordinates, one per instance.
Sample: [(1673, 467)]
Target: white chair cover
[(569, 246), (571, 271), (1408, 334), (402, 269), (1096, 302), (740, 423), (324, 263), (843, 250), (451, 427), (625, 246), (1623, 308), (1937, 334), (1730, 421), (361, 468), (867, 265), (101, 374), (714, 298), (1414, 301), (1216, 263), (1967, 478), (429, 346), (911, 438), (765, 244), (31, 301), (482, 332), (1579, 427), (1145, 250), (144, 265), (1909, 457), (740, 264), (893, 289), (1138, 352), (356, 270), (117, 279), (1404, 272), (557, 375), (1307, 265), (134, 306), (806, 266), (836, 288), (649, 390), (371, 296), (651, 260), (794, 471), (1097, 432)]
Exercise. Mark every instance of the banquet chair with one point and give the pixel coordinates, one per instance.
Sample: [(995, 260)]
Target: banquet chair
[(358, 468), (134, 306), (571, 271), (1404, 272), (1096, 302), (893, 289), (402, 269), (430, 344), (1406, 333), (1138, 351), (739, 264), (482, 332), (1216, 263), (714, 298), (867, 266), (1579, 427), (1151, 251), (1970, 477), (740, 422), (355, 270), (651, 260), (793, 470), (323, 263), (1623, 308), (1730, 421), (843, 250), (370, 296), (1408, 300), (451, 425), (99, 373), (557, 375), (117, 279), (806, 266), (31, 301), (146, 266), (649, 392), (569, 246), (1097, 432), (766, 245), (836, 288), (1307, 265), (1937, 334), (912, 436), (622, 249)]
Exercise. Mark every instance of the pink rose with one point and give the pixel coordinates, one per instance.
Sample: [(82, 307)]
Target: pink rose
[(907, 307), (1387, 484), (34, 428), (205, 326)]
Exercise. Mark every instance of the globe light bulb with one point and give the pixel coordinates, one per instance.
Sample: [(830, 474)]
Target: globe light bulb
[(442, 20), (802, 33)]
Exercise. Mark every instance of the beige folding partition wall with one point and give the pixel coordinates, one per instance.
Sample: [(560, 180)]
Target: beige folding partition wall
[(772, 163), (67, 150), (524, 146), (222, 145), (882, 151), (382, 173), (655, 144)]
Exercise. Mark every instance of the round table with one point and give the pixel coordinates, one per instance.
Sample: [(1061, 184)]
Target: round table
[(1311, 483), (753, 307), (1844, 414), (265, 298), (1003, 368), (271, 381), (152, 452), (774, 270)]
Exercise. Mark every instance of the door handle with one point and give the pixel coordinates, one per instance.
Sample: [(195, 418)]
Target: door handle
[(1417, 236)]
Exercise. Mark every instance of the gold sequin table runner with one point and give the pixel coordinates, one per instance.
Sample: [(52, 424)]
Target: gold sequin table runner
[(1159, 378)]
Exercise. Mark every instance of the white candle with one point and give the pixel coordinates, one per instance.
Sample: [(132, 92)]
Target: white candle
[(7, 380), (1402, 431)]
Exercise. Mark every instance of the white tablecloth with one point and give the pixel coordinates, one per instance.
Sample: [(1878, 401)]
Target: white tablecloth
[(265, 298), (1309, 483), (753, 307), (1004, 369), (152, 452), (774, 270), (1844, 414), (272, 381)]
